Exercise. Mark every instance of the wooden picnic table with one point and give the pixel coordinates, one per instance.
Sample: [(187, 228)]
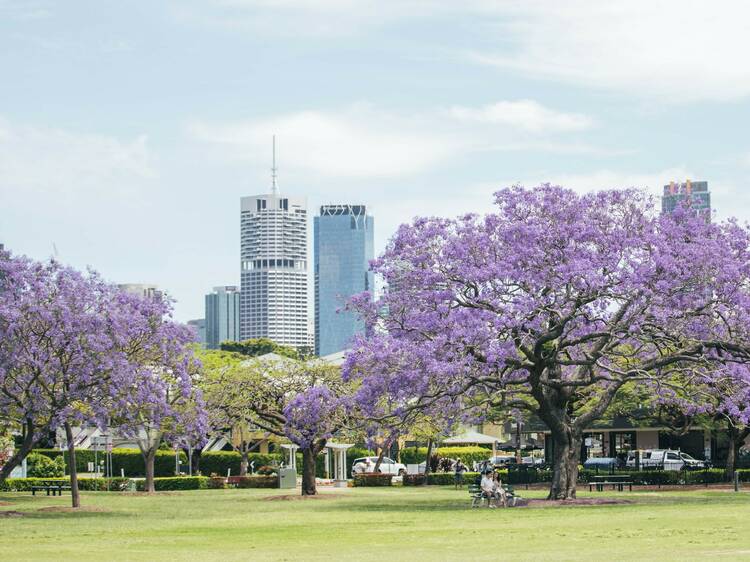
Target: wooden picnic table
[(55, 487)]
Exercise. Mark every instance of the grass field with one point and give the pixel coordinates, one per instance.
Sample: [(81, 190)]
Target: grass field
[(374, 524)]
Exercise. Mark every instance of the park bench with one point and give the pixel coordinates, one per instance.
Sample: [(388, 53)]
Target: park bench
[(52, 487), (617, 482), (477, 497)]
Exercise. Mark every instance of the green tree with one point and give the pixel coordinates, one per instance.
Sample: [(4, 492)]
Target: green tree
[(259, 346)]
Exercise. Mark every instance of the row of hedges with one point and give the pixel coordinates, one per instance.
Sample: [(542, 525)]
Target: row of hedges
[(161, 484), (129, 459), (468, 455), (84, 484)]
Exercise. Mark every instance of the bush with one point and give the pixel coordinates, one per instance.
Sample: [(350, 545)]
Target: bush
[(84, 484), (258, 482), (130, 460), (448, 478), (40, 466), (217, 483), (468, 455), (373, 479), (176, 483), (218, 462), (415, 480)]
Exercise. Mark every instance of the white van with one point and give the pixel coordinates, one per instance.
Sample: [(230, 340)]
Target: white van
[(665, 459)]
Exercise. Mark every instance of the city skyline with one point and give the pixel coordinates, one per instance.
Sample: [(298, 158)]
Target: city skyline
[(126, 145)]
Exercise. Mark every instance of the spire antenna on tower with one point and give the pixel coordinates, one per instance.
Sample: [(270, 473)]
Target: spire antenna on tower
[(274, 187)]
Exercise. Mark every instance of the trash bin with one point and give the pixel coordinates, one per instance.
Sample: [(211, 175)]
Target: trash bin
[(287, 478)]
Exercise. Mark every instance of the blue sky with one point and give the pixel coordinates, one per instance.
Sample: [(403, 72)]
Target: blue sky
[(129, 130)]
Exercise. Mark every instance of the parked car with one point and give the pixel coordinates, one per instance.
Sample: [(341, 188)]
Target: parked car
[(665, 459), (387, 466), (602, 463)]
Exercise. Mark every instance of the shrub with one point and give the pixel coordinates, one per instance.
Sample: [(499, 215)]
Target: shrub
[(468, 455), (176, 483), (218, 462), (217, 483), (415, 480), (266, 470), (446, 478), (258, 482), (373, 479), (84, 484), (40, 466)]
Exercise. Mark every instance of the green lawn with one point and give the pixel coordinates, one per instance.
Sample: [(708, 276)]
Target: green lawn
[(374, 524)]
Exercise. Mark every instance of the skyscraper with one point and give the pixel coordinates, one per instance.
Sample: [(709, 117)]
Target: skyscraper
[(273, 254), (694, 193), (199, 325), (142, 289), (343, 247), (222, 316)]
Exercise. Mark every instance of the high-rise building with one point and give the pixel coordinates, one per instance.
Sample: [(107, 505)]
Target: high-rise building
[(273, 254), (141, 289), (694, 193), (199, 325), (222, 315), (343, 245)]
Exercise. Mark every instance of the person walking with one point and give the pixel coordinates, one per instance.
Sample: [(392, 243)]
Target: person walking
[(459, 468)]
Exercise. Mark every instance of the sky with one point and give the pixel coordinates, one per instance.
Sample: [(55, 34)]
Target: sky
[(130, 130)]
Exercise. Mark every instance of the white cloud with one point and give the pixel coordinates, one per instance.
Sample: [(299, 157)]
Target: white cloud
[(68, 166), (675, 50), (361, 141), (527, 115)]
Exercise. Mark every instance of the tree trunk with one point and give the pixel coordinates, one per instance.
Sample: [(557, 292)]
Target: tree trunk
[(21, 453), (74, 492), (245, 460), (736, 439), (430, 444), (386, 445), (566, 455), (149, 458), (308, 471)]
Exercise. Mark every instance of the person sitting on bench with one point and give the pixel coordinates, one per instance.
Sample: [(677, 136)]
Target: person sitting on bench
[(498, 490), (488, 488)]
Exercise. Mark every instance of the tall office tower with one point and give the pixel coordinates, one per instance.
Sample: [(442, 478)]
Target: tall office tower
[(273, 253), (694, 193), (222, 316), (343, 247), (143, 290)]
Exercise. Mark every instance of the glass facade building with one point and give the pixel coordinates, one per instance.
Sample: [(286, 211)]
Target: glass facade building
[(343, 242), (222, 322), (695, 194)]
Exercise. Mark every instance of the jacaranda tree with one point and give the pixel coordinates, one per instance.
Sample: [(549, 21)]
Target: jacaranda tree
[(551, 304), (71, 350)]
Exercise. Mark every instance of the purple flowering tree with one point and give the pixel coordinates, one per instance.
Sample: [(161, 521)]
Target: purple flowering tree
[(71, 350), (312, 418), (162, 401), (552, 304)]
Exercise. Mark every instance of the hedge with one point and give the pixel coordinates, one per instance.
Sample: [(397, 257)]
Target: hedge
[(218, 462), (364, 480), (176, 483), (129, 459), (468, 455), (84, 484), (446, 478)]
